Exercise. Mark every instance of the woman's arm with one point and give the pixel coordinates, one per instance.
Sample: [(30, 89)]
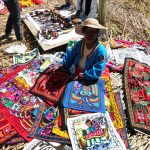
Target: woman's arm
[(96, 71), (99, 66), (70, 55)]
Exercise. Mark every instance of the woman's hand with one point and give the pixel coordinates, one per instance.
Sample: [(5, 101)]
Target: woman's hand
[(55, 67), (81, 76)]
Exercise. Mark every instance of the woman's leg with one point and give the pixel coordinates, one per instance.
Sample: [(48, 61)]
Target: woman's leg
[(14, 19), (9, 24)]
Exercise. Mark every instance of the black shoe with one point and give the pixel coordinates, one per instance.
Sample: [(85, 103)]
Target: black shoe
[(4, 36), (68, 4), (20, 39)]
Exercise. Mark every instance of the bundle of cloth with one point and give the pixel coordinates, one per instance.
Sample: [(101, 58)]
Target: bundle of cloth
[(23, 3), (26, 3), (1, 5), (3, 9)]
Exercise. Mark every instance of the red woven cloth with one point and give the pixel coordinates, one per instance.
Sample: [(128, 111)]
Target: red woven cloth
[(10, 73), (6, 129), (51, 85), (15, 122)]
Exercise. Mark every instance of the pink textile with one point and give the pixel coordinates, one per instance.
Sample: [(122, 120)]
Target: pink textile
[(4, 11), (126, 43), (38, 2), (112, 67), (131, 44)]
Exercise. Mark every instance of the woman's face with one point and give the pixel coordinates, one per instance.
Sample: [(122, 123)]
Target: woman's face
[(90, 34)]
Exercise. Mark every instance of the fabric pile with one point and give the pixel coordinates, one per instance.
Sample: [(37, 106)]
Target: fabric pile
[(26, 3), (49, 108), (23, 3)]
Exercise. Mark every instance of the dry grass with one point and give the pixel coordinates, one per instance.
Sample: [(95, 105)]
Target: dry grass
[(129, 19)]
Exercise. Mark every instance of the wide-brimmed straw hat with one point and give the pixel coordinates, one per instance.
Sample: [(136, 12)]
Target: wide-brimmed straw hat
[(90, 22)]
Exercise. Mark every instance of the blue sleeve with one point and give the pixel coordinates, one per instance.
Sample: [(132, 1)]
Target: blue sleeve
[(70, 56), (98, 67)]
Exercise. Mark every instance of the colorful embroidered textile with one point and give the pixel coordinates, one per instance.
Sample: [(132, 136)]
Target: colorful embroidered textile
[(131, 44), (50, 85), (26, 3), (85, 97), (125, 43), (20, 112), (10, 72), (137, 93), (57, 130), (43, 125), (17, 104), (15, 140), (94, 132), (6, 70), (106, 73), (68, 113), (15, 122), (38, 2), (113, 67), (6, 129), (111, 104), (26, 57), (122, 131)]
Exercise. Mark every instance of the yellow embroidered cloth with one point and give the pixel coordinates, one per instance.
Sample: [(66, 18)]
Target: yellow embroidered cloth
[(111, 104)]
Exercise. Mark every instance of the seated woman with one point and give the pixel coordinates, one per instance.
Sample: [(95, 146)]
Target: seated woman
[(87, 58)]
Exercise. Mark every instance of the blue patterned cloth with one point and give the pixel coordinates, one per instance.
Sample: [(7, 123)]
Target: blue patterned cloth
[(85, 97)]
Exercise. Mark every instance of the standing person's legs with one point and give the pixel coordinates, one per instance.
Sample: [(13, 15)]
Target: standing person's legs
[(17, 20), (14, 19), (9, 24)]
